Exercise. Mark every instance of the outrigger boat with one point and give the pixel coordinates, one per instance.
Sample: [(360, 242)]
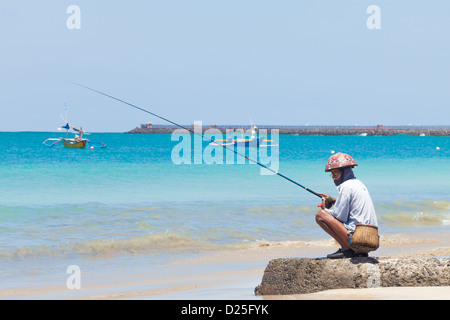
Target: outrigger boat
[(253, 141), (77, 142)]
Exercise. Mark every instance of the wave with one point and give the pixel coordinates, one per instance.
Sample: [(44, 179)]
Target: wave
[(409, 214), (161, 243), (173, 243), (167, 242), (108, 231), (104, 248)]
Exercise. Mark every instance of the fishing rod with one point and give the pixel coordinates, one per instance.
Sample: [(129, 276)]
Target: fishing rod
[(327, 200)]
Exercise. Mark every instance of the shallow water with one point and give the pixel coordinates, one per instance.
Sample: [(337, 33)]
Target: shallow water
[(106, 208)]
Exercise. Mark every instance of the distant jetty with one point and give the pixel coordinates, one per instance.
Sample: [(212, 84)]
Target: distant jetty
[(378, 130)]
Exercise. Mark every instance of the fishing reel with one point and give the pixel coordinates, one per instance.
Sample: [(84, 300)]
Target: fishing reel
[(328, 202)]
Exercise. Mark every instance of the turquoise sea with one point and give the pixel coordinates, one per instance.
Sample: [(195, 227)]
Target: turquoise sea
[(130, 204)]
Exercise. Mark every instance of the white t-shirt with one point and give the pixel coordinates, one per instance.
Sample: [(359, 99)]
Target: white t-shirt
[(354, 205)]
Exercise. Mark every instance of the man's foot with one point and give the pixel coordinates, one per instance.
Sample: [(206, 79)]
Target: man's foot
[(332, 255), (349, 253)]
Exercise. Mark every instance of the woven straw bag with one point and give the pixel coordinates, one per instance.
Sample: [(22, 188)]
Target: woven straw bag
[(365, 238)]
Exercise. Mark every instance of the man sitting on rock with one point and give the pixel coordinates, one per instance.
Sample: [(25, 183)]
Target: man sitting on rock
[(352, 206)]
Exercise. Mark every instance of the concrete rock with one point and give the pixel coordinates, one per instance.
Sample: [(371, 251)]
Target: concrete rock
[(306, 275)]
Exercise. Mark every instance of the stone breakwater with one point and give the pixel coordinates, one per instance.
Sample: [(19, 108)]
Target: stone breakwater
[(317, 131), (305, 275)]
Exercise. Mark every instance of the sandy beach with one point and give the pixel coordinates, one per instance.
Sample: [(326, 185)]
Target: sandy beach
[(233, 275)]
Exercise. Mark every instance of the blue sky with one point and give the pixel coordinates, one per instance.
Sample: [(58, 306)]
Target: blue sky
[(287, 62)]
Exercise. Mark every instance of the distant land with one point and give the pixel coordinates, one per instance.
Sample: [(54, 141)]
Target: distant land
[(378, 130)]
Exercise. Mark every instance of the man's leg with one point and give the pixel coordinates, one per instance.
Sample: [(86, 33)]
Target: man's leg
[(334, 228)]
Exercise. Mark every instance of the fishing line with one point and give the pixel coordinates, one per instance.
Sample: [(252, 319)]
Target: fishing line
[(201, 135)]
